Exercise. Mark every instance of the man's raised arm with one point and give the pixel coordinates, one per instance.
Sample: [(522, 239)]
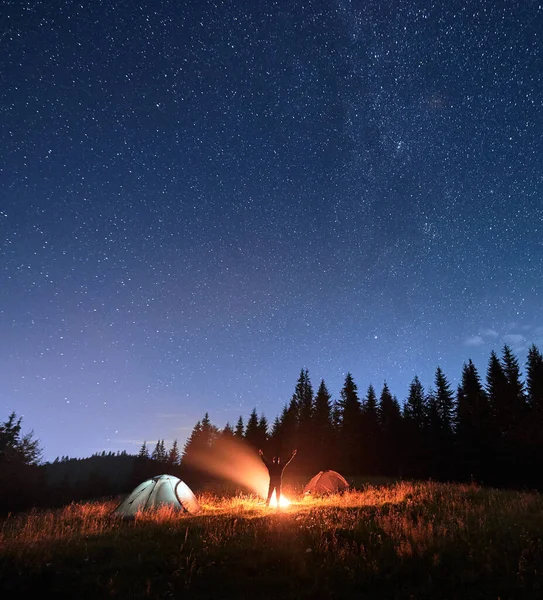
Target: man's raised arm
[(290, 459), (264, 459)]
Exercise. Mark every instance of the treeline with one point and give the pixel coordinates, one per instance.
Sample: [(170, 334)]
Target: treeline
[(28, 483), (487, 431)]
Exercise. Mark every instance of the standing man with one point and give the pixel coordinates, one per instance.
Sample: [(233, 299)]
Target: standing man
[(275, 469)]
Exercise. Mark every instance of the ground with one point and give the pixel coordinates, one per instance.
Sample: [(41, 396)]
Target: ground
[(405, 540)]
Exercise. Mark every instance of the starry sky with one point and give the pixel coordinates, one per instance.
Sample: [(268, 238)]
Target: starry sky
[(198, 198)]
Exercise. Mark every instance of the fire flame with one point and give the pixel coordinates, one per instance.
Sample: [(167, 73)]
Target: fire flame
[(283, 502)]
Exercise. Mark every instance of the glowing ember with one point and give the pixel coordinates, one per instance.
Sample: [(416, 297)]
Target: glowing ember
[(282, 501)]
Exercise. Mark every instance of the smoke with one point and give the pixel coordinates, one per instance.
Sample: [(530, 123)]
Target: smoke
[(233, 460)]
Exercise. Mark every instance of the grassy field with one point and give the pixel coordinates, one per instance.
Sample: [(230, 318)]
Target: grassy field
[(404, 540)]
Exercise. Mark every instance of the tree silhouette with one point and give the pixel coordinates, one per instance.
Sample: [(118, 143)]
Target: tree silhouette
[(159, 453), (174, 458), (472, 419), (390, 423), (289, 428), (239, 432), (16, 448), (516, 400), (303, 440), (262, 441), (491, 433), (431, 436), (534, 397), (252, 433), (415, 418), (324, 443), (443, 446), (534, 380), (228, 432), (276, 434), (497, 390), (349, 413), (143, 452), (445, 403), (19, 458), (369, 433), (193, 443)]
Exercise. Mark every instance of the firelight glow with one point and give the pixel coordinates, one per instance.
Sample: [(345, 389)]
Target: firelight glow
[(283, 502), (235, 461)]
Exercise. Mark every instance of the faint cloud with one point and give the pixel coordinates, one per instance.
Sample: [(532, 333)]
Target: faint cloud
[(475, 340), (515, 340), (172, 416), (131, 442), (492, 333)]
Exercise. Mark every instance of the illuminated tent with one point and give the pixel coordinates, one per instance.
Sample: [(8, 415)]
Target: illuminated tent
[(162, 490), (326, 482)]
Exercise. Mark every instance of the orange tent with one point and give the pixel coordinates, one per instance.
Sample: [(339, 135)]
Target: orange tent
[(326, 482)]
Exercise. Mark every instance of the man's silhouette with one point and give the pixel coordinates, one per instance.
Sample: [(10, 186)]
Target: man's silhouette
[(275, 469)]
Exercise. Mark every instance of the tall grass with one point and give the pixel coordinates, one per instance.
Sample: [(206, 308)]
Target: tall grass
[(401, 540)]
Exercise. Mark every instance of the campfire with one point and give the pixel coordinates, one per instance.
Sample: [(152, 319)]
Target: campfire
[(283, 502)]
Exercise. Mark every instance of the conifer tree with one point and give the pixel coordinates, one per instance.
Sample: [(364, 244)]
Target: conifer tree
[(516, 399), (155, 454), (252, 435), (433, 437), (369, 433), (193, 442), (159, 453), (534, 379), (239, 432), (349, 430), (415, 406), (262, 432), (497, 390), (324, 451), (390, 423), (174, 458), (503, 423), (336, 417), (228, 432), (303, 440), (20, 476), (203, 437), (472, 421), (16, 448), (163, 453), (143, 452), (442, 446), (517, 434), (415, 418), (276, 435), (289, 428), (534, 393), (445, 403), (209, 431), (303, 394)]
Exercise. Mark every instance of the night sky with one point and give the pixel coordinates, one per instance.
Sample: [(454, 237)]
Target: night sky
[(199, 198)]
